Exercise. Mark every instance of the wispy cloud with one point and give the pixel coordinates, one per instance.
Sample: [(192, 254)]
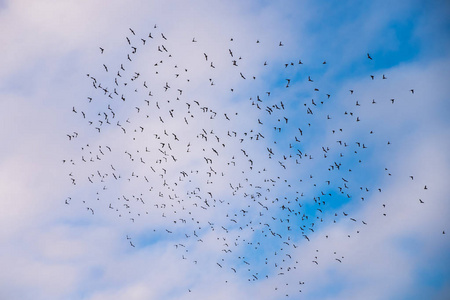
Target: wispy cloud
[(220, 230)]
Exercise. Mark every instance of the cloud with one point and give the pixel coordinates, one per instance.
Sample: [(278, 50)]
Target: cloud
[(66, 251)]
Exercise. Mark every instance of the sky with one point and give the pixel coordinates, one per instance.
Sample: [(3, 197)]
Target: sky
[(180, 150)]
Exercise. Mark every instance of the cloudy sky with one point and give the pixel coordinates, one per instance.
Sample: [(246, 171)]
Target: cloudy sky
[(179, 150)]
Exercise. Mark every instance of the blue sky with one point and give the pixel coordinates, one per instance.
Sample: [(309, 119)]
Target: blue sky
[(342, 220)]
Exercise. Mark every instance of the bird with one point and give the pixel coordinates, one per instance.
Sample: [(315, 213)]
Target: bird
[(185, 157)]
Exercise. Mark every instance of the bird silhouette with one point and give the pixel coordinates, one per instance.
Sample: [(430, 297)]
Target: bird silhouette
[(168, 146)]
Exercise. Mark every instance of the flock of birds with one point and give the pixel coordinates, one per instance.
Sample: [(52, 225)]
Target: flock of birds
[(249, 176)]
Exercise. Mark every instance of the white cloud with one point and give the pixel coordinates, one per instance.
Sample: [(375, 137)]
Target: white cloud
[(59, 251)]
